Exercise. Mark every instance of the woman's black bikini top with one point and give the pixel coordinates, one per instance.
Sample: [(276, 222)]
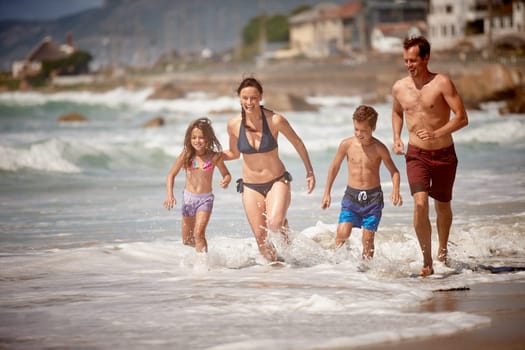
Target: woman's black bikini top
[(268, 142)]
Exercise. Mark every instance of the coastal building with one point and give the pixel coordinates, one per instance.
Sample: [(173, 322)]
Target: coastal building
[(329, 29), (388, 37), (476, 24), (46, 50), (317, 32)]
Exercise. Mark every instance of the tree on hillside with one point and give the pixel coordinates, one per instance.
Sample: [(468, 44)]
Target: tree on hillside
[(300, 9), (276, 29), (76, 63)]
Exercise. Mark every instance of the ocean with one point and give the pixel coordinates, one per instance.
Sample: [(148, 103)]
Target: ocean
[(90, 259)]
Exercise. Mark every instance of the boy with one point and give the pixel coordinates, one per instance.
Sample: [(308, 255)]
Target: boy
[(362, 203)]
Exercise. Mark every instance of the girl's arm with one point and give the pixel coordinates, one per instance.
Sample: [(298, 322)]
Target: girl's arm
[(170, 200), (284, 126), (226, 177)]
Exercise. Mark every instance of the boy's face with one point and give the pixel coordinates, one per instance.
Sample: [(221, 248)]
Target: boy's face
[(363, 131)]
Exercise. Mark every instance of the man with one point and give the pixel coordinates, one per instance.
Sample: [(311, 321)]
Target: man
[(425, 100)]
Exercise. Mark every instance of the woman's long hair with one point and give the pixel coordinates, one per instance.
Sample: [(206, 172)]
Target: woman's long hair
[(213, 146)]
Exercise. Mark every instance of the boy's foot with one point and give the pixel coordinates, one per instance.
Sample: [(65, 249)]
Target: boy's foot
[(426, 271)]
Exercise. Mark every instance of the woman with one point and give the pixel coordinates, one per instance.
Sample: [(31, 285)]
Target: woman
[(265, 183)]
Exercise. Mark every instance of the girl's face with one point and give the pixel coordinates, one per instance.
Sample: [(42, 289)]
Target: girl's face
[(363, 131), (250, 99), (198, 142)]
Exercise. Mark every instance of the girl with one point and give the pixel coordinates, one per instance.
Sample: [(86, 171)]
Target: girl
[(265, 183), (202, 152)]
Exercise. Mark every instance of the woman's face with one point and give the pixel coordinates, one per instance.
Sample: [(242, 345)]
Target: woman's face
[(250, 99)]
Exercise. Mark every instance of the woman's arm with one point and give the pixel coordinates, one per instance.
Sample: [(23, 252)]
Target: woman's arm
[(286, 129), (233, 152)]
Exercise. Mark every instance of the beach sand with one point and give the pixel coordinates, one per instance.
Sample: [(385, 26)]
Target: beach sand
[(502, 302)]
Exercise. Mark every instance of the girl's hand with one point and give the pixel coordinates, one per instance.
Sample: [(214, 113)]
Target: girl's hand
[(226, 181), (170, 202)]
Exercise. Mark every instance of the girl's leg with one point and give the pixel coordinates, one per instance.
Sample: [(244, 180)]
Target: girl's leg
[(199, 231), (188, 222)]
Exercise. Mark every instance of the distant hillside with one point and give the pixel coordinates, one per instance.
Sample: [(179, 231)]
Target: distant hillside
[(139, 31)]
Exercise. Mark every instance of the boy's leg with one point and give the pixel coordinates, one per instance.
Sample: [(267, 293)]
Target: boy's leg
[(187, 230), (343, 232), (199, 230), (368, 244)]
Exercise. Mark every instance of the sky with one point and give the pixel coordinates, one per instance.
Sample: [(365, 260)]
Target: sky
[(43, 9)]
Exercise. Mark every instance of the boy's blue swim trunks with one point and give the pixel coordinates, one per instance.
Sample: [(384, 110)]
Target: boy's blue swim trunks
[(362, 208)]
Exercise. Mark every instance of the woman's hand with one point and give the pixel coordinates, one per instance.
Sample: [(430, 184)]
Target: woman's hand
[(310, 182)]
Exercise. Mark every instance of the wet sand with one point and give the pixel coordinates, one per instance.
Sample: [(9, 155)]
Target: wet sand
[(502, 302)]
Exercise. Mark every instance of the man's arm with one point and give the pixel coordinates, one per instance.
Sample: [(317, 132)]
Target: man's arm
[(397, 124), (394, 176), (455, 103)]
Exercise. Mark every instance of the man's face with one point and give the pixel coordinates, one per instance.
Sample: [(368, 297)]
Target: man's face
[(414, 63)]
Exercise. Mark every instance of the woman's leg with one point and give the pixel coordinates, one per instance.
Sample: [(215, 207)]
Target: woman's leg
[(255, 209), (277, 202)]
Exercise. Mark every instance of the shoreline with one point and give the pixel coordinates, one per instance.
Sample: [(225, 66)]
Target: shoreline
[(502, 302)]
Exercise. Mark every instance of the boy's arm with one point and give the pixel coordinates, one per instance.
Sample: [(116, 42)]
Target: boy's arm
[(394, 175), (226, 177), (170, 200), (333, 170)]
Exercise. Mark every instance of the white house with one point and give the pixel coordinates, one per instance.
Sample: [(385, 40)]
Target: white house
[(466, 22), (317, 31)]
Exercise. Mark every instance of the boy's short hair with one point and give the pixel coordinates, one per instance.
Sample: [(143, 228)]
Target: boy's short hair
[(366, 113)]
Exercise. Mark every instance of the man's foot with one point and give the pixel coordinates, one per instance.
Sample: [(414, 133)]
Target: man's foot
[(426, 271), (443, 256)]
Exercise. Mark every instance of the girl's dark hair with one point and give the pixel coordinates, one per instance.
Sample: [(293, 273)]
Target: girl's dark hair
[(248, 82), (419, 41), (213, 146)]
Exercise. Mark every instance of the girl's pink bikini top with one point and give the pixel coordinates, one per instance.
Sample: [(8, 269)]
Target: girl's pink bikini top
[(206, 166)]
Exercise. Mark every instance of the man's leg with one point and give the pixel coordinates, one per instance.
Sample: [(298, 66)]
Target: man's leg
[(423, 230), (443, 223)]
